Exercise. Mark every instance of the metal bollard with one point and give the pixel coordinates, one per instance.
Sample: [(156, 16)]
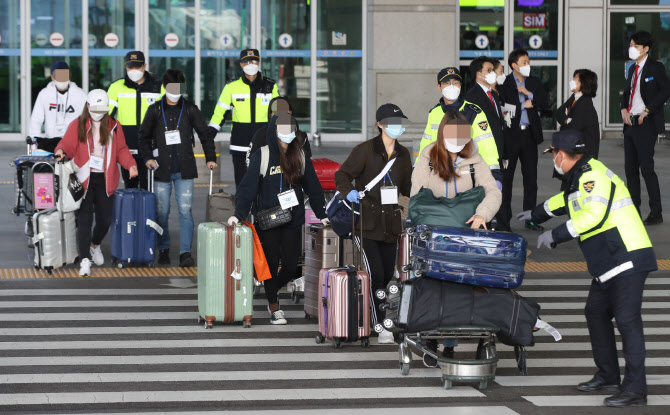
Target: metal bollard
[(316, 139)]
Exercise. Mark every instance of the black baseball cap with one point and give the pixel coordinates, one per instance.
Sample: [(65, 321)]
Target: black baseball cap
[(448, 73), (134, 58), (392, 113), (566, 140), (250, 55)]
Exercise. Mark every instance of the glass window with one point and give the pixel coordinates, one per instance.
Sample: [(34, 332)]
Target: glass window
[(285, 52), (224, 31), (10, 52), (111, 34), (638, 2), (482, 28), (55, 36), (536, 28), (622, 26), (549, 77), (339, 92), (172, 40)]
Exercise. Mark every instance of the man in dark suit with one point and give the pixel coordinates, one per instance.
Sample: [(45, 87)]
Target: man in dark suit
[(647, 90), (525, 92), (488, 100)]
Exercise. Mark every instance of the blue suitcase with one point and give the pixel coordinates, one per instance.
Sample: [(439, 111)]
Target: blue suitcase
[(134, 227), (468, 256)]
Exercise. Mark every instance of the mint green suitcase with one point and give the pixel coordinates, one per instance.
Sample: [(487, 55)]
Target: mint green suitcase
[(225, 273)]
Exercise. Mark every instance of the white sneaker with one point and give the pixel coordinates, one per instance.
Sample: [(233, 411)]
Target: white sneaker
[(385, 337), (85, 268), (278, 317), (96, 254)]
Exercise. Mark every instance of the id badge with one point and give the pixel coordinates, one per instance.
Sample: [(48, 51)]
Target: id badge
[(60, 130), (265, 99), (97, 163), (172, 137), (389, 195), (288, 199)]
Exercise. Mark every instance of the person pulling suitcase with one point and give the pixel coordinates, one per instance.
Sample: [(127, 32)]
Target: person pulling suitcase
[(96, 143)]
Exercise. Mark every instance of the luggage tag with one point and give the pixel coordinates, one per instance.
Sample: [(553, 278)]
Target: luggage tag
[(540, 324), (172, 137), (288, 199), (389, 195), (97, 163)]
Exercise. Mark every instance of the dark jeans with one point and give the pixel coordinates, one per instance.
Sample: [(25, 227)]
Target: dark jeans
[(96, 202), (379, 258), (239, 166), (639, 142), (280, 243), (136, 182), (524, 149), (622, 300)]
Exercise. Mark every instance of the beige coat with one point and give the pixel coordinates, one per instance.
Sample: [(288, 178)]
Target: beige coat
[(424, 177)]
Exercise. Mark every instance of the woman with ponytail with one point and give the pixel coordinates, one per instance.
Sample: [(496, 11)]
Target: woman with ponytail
[(286, 174)]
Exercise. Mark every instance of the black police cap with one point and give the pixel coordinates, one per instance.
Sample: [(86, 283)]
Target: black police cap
[(250, 55), (448, 73), (135, 58), (566, 140)]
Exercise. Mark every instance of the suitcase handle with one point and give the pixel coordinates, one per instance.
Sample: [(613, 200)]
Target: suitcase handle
[(358, 260)]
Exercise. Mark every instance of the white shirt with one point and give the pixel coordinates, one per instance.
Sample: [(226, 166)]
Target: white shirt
[(638, 104), (486, 91)]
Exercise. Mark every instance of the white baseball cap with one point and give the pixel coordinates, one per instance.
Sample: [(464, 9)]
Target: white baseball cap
[(98, 100)]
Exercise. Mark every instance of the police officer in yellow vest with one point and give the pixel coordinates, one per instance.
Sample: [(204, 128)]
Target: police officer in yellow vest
[(129, 99), (619, 256), (248, 97), (449, 83)]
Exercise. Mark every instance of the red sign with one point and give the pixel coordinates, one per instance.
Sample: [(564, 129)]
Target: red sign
[(534, 20)]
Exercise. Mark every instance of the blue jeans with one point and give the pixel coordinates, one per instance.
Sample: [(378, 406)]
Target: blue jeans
[(183, 190)]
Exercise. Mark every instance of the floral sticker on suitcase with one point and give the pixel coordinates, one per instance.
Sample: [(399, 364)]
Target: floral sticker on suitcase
[(43, 190)]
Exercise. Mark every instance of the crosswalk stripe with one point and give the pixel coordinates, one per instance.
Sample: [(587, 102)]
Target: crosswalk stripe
[(244, 375), (531, 381), (100, 292), (451, 410), (588, 400), (263, 342), (236, 395), (583, 282), (582, 294)]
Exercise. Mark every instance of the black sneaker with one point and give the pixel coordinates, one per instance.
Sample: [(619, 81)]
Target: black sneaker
[(164, 257), (448, 352), (653, 219), (430, 361), (534, 226), (278, 318), (186, 260)]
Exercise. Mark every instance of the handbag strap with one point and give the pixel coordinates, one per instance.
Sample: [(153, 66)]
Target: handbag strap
[(378, 178)]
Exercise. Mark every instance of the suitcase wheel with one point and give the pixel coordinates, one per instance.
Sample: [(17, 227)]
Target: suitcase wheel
[(294, 297), (424, 236), (388, 323), (381, 294), (404, 368), (483, 385), (307, 317), (120, 265), (379, 328), (447, 384), (394, 289), (319, 338), (337, 344), (365, 343)]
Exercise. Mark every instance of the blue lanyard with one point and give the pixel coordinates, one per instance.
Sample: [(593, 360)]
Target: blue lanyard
[(180, 112), (389, 176), (281, 182), (67, 99)]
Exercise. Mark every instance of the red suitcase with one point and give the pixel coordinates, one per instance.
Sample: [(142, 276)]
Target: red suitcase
[(325, 171), (344, 310)]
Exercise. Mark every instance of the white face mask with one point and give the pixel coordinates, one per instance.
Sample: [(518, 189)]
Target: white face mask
[(287, 138), (173, 97), (453, 148), (500, 79), (633, 53), (62, 86), (558, 168), (451, 92), (251, 69), (490, 78), (573, 85), (135, 75), (525, 70), (95, 116)]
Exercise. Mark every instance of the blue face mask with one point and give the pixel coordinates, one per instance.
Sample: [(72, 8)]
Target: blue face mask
[(287, 138), (394, 131)]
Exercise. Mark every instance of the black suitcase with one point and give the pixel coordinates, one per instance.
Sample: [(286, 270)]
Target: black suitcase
[(427, 304)]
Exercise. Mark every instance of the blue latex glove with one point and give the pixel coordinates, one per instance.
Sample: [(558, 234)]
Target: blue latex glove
[(546, 239), (353, 196), (499, 184)]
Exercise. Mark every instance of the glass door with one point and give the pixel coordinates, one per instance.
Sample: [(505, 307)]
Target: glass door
[(10, 53)]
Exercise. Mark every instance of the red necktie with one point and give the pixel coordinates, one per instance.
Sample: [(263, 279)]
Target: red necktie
[(492, 101), (632, 94)]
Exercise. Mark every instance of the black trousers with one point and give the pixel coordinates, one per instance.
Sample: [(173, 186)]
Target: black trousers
[(639, 142), (136, 182), (282, 243), (96, 202), (380, 261), (240, 166), (521, 148), (622, 300)]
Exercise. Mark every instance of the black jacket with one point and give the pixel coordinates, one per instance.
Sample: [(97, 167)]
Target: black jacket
[(510, 95), (259, 140), (366, 161), (264, 191), (477, 96), (152, 136), (655, 91), (583, 117), (150, 84)]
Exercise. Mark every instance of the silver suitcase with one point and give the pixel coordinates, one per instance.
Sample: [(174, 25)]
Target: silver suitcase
[(55, 239)]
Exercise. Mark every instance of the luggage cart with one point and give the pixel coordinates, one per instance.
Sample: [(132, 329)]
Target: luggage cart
[(297, 289), (480, 370)]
